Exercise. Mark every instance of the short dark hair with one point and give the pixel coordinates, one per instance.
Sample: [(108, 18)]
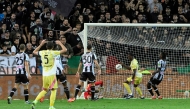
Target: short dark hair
[(22, 47), (89, 46), (49, 45), (130, 54), (163, 55)]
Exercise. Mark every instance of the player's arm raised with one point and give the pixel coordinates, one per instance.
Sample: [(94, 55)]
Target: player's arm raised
[(38, 48)]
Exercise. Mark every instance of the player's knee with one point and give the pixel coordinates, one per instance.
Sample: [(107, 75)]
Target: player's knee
[(78, 87), (126, 82), (66, 89), (148, 85), (45, 89)]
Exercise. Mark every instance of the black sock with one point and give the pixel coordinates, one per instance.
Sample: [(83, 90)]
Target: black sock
[(12, 92), (150, 89), (92, 91), (66, 90), (77, 90), (156, 90), (26, 95)]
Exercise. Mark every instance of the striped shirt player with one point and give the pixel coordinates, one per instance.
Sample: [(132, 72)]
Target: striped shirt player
[(89, 61), (88, 66), (61, 75), (22, 73), (158, 76)]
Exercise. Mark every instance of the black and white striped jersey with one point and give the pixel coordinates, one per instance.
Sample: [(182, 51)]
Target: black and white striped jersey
[(161, 64), (88, 62), (20, 62), (59, 65)]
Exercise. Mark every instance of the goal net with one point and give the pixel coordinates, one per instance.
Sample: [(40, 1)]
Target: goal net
[(112, 43)]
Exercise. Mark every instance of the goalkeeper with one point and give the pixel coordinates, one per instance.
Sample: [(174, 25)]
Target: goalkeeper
[(135, 79), (87, 93)]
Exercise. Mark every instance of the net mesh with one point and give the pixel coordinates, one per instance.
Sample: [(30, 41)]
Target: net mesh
[(112, 43)]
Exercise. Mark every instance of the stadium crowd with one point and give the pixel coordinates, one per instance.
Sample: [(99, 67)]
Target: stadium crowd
[(30, 21)]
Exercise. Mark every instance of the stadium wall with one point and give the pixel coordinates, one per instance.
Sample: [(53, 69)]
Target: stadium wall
[(172, 86)]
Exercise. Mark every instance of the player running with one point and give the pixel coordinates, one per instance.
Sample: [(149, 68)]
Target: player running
[(135, 79), (22, 74), (157, 76), (49, 70)]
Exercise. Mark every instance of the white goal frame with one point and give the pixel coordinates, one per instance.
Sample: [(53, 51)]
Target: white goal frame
[(85, 31)]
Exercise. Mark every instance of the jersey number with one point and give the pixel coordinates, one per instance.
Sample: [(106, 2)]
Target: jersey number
[(87, 59), (46, 58), (19, 61)]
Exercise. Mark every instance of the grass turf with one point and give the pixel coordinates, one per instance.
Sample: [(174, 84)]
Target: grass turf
[(104, 104)]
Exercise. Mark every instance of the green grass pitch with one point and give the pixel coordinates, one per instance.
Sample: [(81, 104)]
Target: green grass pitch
[(104, 104)]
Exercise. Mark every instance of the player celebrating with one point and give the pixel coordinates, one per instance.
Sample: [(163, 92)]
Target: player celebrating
[(157, 76), (22, 73), (87, 93), (87, 60), (49, 70), (60, 75), (135, 79)]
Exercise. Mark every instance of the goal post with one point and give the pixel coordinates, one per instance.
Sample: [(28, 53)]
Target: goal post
[(112, 41)]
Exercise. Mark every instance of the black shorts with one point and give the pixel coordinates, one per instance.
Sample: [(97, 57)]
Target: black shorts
[(61, 78), (156, 79), (21, 79), (87, 75)]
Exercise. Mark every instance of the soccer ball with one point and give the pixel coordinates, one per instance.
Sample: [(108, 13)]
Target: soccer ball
[(118, 66)]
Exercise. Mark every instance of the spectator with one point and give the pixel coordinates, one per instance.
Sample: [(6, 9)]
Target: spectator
[(91, 18), (7, 40), (81, 21), (29, 50), (181, 15), (102, 19), (29, 23), (78, 49), (154, 15), (37, 30), (3, 30), (15, 46), (167, 17), (74, 38), (18, 30), (34, 41), (154, 4), (4, 51), (79, 27), (66, 28), (48, 23), (8, 12), (175, 19), (36, 9), (10, 23)]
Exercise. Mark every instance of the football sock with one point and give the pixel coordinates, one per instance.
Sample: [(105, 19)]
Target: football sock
[(92, 91), (12, 92), (77, 90), (139, 91), (156, 90), (127, 87), (66, 90), (26, 95), (150, 89), (52, 97)]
